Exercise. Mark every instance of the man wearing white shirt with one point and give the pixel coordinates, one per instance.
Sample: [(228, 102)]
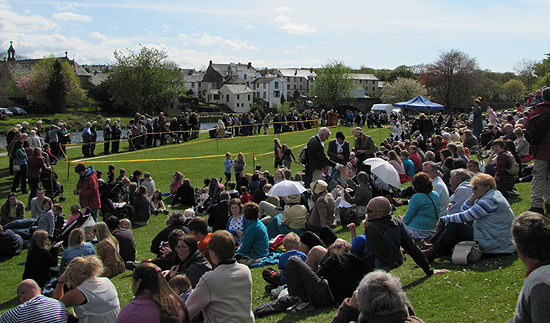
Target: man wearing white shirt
[(461, 188), (439, 186)]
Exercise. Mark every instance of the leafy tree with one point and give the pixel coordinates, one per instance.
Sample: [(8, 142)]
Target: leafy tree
[(401, 71), (450, 79), (542, 71), (333, 84), (402, 89), (514, 89), (145, 82), (53, 85)]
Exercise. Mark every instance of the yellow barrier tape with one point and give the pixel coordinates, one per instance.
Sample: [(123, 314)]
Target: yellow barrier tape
[(152, 159)]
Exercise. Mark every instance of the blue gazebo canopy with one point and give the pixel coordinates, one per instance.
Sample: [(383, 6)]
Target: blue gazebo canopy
[(420, 103)]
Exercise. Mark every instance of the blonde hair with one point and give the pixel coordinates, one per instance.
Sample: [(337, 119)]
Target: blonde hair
[(125, 220), (291, 241), (102, 232), (484, 180), (83, 268)]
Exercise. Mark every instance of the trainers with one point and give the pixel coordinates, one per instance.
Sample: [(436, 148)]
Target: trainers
[(298, 307), (276, 291)]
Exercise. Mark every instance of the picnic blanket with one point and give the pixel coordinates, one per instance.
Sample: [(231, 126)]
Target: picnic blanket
[(272, 258)]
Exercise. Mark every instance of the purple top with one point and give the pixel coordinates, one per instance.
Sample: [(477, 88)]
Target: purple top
[(139, 310)]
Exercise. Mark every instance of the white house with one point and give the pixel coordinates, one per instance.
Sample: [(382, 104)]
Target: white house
[(270, 89), (365, 85), (297, 79), (192, 81), (238, 97)]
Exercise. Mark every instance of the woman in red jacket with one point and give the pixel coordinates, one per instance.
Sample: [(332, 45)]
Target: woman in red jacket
[(88, 189)]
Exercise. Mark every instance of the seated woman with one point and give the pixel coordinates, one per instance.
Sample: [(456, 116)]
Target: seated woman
[(190, 261), (12, 209), (39, 259), (422, 213), (235, 224), (78, 247), (521, 144), (185, 195), (215, 294), (504, 179), (154, 300), (293, 218), (255, 242), (176, 220), (396, 162), (46, 219), (157, 205), (363, 193), (492, 220), (142, 206), (177, 181), (93, 298), (108, 250)]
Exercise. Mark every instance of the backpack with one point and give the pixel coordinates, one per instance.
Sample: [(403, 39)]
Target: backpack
[(537, 128), (513, 169), (302, 155)]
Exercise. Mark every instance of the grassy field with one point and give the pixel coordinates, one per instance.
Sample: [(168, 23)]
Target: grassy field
[(482, 292)]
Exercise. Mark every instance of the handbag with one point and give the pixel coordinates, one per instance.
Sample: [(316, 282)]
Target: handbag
[(16, 168), (466, 251)]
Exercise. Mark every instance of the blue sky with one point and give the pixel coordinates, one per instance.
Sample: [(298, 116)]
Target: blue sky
[(379, 34)]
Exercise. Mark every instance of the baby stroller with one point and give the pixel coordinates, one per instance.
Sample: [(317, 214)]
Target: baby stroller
[(110, 192), (52, 188)]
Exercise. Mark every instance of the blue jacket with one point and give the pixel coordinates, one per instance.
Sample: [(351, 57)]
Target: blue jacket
[(421, 213), (493, 218), (20, 157), (409, 167), (255, 242)]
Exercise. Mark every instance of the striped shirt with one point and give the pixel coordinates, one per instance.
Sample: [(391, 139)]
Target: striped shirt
[(471, 211), (39, 309)]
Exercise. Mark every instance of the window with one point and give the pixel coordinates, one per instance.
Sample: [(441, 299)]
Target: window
[(216, 97), (238, 97), (276, 85), (288, 86), (227, 100), (264, 95), (264, 86), (245, 77), (249, 97), (295, 86), (276, 94)]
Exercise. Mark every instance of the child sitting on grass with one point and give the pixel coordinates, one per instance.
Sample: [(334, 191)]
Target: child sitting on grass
[(291, 242), (122, 173), (181, 285)]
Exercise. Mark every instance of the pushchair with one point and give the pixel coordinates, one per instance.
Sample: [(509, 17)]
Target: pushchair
[(52, 188), (110, 192)]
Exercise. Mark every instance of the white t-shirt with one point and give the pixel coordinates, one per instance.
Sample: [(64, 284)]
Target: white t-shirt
[(102, 304)]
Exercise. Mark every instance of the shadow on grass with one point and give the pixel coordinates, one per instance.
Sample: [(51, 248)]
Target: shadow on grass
[(514, 199), (306, 314), (485, 264), (415, 283), (9, 304)]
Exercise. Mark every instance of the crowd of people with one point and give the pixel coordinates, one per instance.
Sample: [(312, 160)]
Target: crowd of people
[(201, 270)]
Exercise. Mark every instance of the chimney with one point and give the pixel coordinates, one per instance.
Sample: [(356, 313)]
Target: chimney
[(66, 54), (210, 64), (311, 70), (249, 65), (295, 72)]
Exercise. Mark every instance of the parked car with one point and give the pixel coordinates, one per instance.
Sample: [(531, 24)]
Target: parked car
[(17, 111), (7, 111)]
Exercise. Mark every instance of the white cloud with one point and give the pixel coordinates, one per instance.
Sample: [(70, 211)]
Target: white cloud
[(71, 16), (208, 40), (98, 35), (292, 27), (14, 22)]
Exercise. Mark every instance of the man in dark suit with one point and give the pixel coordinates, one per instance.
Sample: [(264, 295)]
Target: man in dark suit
[(316, 158)]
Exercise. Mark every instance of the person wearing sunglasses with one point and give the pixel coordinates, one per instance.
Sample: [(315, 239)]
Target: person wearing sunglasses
[(486, 217)]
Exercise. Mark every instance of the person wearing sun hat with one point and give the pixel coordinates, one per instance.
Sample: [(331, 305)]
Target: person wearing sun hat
[(322, 213), (364, 144)]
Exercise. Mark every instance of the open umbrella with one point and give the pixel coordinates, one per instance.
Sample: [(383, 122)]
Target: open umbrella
[(286, 188), (384, 170)]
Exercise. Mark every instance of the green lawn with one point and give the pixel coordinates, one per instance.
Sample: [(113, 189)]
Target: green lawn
[(484, 291)]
